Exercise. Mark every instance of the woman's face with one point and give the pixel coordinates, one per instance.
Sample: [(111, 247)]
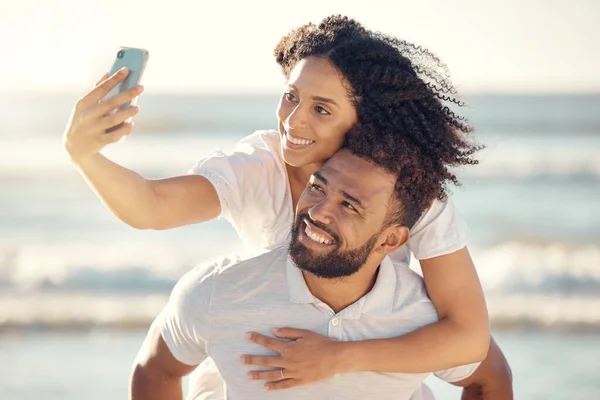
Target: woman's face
[(314, 113)]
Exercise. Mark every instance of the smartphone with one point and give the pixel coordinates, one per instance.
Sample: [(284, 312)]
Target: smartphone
[(135, 61)]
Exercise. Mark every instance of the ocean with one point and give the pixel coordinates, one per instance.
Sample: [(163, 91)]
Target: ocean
[(78, 287)]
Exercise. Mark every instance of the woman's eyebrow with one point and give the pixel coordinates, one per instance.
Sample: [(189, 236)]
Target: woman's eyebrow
[(318, 98)]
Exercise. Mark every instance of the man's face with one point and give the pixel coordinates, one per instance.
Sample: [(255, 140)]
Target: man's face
[(340, 216)]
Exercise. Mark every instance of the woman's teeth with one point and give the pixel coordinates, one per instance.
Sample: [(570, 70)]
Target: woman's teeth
[(316, 237), (298, 141)]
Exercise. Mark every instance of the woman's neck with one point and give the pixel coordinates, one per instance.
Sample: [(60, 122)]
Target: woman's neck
[(299, 177)]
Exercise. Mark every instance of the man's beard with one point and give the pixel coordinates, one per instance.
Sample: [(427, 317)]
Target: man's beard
[(334, 264)]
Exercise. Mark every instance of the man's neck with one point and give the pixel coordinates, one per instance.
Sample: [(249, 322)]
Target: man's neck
[(342, 292)]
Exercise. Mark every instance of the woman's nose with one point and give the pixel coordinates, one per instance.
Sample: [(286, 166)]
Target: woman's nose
[(297, 118)]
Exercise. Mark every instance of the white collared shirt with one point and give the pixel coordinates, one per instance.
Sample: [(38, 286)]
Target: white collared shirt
[(255, 198), (214, 305)]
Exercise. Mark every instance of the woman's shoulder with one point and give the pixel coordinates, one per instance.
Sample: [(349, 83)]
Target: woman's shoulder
[(439, 231), (267, 140), (438, 211), (258, 151)]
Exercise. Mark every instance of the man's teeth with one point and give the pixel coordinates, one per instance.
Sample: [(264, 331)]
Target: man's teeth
[(316, 237), (298, 141)]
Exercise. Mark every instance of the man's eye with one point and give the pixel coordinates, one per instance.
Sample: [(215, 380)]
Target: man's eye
[(348, 206), (316, 187)]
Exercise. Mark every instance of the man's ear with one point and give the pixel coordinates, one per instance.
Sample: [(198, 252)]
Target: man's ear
[(392, 238)]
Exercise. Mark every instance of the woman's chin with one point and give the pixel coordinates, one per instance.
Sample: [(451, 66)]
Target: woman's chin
[(293, 159)]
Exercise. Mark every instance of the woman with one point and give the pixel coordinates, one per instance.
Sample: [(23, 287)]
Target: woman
[(338, 75)]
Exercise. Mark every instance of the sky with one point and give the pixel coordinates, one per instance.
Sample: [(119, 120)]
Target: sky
[(219, 46)]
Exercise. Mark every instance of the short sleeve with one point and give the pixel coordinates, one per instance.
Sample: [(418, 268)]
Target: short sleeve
[(185, 322), (250, 184), (439, 231), (236, 177), (223, 172), (457, 373)]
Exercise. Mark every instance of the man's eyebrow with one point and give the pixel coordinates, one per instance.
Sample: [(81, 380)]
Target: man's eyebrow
[(352, 199), (346, 195), (320, 177), (320, 98)]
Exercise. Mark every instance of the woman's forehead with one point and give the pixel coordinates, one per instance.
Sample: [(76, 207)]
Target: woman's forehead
[(317, 76)]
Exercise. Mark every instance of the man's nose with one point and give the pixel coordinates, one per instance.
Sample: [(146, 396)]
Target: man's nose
[(321, 212)]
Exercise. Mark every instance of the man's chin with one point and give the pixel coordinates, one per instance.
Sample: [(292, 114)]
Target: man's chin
[(322, 270), (303, 256)]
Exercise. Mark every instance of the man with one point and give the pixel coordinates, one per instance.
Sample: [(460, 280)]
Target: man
[(334, 279)]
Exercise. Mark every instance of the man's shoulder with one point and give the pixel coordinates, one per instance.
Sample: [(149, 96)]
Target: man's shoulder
[(253, 279), (411, 294), (407, 280), (229, 272), (230, 266), (199, 279), (231, 263), (246, 265)]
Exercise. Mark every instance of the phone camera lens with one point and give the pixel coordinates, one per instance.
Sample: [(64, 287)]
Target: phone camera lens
[(120, 54)]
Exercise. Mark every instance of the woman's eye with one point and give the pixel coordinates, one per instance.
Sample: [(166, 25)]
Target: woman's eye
[(288, 96), (322, 111), (348, 206)]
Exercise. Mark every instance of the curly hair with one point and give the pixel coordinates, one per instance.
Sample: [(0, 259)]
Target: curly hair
[(402, 94)]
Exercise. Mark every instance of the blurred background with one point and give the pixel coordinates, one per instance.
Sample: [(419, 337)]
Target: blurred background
[(78, 288)]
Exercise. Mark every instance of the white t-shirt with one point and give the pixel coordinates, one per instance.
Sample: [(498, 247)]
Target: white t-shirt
[(252, 185), (256, 199), (215, 304)]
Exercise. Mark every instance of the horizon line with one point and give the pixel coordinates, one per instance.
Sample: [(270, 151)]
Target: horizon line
[(231, 93)]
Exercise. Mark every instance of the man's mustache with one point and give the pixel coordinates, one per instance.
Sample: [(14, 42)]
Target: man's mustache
[(321, 226)]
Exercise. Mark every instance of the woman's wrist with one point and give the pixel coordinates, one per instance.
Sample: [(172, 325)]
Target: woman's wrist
[(349, 354)]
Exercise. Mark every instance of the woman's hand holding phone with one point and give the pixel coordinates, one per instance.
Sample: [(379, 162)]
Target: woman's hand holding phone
[(90, 123)]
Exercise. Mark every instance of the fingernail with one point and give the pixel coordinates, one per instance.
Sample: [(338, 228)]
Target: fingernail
[(123, 71), (139, 88), (243, 359), (275, 330), (248, 335)]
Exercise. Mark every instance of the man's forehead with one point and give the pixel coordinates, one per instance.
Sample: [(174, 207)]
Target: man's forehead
[(357, 175)]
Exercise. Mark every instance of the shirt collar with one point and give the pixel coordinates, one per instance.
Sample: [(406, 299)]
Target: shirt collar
[(297, 289), (379, 300)]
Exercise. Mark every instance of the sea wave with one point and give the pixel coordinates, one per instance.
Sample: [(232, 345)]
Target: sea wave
[(522, 159), (508, 268), (529, 268), (547, 285), (123, 267), (164, 155), (85, 311)]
